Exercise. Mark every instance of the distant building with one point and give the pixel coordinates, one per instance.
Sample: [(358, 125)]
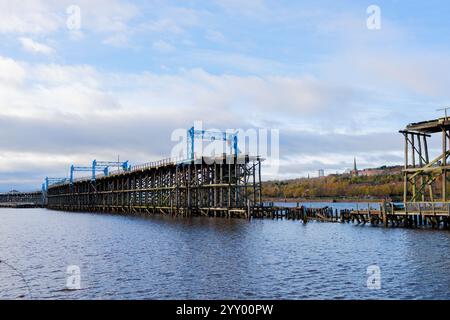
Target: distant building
[(381, 171), (354, 172), (321, 173), (371, 172)]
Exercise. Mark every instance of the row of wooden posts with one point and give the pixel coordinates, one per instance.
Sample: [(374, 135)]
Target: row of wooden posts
[(362, 217), (385, 217)]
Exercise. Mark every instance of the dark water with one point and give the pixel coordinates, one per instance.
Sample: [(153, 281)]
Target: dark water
[(201, 258)]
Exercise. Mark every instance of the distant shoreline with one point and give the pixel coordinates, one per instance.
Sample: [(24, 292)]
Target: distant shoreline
[(330, 200)]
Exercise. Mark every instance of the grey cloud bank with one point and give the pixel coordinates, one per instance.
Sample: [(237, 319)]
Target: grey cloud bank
[(333, 89)]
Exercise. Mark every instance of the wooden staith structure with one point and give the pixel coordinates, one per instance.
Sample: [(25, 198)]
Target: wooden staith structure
[(21, 199), (426, 179), (426, 200), (395, 215), (325, 214), (227, 186), (19, 205)]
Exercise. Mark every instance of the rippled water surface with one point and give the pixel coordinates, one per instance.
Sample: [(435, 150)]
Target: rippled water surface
[(123, 257)]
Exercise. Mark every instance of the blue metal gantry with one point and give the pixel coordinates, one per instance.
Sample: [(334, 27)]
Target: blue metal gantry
[(78, 169), (210, 135), (98, 166), (49, 181), (104, 165), (193, 134)]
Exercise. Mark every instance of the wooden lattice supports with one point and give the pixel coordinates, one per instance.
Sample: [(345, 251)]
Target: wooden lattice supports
[(221, 186), (31, 198)]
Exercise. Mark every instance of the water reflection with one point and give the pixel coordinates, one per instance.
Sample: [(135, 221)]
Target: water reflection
[(123, 257)]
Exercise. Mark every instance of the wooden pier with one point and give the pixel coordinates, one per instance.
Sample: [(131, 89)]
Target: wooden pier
[(21, 199), (434, 215), (227, 186), (326, 214), (389, 215), (19, 205)]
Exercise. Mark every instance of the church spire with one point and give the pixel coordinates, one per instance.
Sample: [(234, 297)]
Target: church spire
[(355, 168)]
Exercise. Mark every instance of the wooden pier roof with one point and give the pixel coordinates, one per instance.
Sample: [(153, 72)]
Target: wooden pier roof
[(431, 126)]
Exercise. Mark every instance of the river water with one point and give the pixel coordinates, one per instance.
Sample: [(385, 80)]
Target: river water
[(123, 257)]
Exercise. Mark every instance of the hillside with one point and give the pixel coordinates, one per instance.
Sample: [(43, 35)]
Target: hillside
[(387, 183)]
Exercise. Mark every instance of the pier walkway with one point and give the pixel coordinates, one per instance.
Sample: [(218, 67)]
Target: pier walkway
[(17, 199)]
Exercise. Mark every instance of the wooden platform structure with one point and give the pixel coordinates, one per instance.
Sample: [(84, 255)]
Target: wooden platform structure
[(426, 193), (387, 215), (305, 214), (21, 199), (227, 186), (19, 205), (434, 215)]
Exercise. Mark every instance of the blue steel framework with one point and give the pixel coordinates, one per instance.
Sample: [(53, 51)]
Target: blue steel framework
[(98, 166), (210, 135)]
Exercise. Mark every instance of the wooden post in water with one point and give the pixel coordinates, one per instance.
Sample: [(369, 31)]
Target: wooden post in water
[(444, 164), (384, 215)]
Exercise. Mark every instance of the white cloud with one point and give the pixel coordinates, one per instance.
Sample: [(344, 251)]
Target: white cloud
[(172, 20), (117, 40), (162, 25), (60, 93), (215, 36), (419, 73), (107, 16), (163, 46), (46, 16), (52, 90), (28, 16), (57, 75), (76, 113), (72, 109), (248, 7), (11, 72), (32, 46)]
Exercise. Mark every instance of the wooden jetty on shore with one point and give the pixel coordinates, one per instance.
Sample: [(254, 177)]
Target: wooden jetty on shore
[(395, 215), (19, 205), (326, 214), (389, 215), (17, 199)]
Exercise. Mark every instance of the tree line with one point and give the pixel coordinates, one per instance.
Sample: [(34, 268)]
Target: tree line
[(337, 186)]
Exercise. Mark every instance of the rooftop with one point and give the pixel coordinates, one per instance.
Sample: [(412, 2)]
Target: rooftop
[(431, 126)]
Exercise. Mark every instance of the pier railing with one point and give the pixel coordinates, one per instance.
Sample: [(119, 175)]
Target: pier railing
[(154, 164), (420, 208), (426, 208)]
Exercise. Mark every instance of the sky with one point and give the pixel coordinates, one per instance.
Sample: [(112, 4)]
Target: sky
[(123, 77)]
